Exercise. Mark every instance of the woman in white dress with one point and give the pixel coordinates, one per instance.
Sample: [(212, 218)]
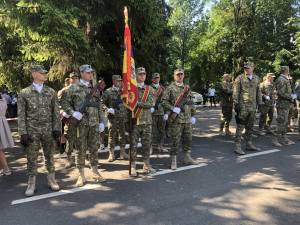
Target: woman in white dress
[(6, 140)]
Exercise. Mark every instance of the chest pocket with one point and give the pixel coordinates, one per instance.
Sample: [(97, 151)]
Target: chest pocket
[(249, 88), (45, 100)]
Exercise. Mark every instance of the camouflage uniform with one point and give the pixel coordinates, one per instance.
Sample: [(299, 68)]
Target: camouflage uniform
[(87, 132), (116, 125), (143, 128), (284, 101), (180, 129), (38, 116), (267, 107), (158, 123), (226, 103), (246, 97)]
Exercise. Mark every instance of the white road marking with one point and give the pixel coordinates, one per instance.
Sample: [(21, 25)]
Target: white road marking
[(258, 153), (59, 193), (178, 169)]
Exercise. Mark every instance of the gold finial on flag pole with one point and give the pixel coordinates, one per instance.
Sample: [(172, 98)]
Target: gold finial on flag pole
[(126, 15)]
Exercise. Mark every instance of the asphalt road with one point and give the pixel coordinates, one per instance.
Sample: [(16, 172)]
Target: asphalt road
[(224, 190)]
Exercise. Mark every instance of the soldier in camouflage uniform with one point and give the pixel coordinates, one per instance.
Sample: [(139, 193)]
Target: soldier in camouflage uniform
[(268, 100), (69, 130), (246, 97), (90, 122), (181, 118), (116, 116), (39, 125), (226, 103), (143, 127), (285, 98), (158, 123)]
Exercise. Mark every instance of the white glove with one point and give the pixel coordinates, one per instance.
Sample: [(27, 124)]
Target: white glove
[(64, 114), (77, 115), (294, 96), (152, 109), (111, 111), (166, 116), (101, 127), (193, 120), (267, 98), (176, 110)]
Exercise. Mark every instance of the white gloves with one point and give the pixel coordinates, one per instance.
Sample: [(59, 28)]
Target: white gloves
[(267, 98), (193, 120), (166, 116), (77, 115), (64, 114), (152, 109), (294, 96), (111, 111), (101, 127), (176, 110)]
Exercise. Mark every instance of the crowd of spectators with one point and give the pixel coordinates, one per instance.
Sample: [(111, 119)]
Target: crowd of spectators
[(11, 101)]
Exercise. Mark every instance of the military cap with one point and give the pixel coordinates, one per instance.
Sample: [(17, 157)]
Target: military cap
[(248, 65), (226, 75), (271, 75), (155, 75), (116, 77), (284, 69), (178, 71), (86, 68), (140, 70), (73, 74), (38, 68)]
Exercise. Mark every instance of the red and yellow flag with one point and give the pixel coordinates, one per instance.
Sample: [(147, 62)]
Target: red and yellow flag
[(130, 90)]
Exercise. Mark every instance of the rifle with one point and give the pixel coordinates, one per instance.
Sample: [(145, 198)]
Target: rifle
[(181, 101), (87, 103)]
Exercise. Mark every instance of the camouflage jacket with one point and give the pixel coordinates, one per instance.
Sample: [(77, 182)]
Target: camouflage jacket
[(284, 91), (159, 111), (169, 98), (74, 97), (267, 89), (226, 93), (246, 92), (112, 99), (38, 112), (59, 95), (146, 115)]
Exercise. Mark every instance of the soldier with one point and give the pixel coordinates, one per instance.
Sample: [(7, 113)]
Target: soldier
[(39, 125), (246, 97), (285, 98), (178, 102), (158, 124), (268, 101), (143, 127), (89, 122), (69, 130), (226, 103), (116, 118)]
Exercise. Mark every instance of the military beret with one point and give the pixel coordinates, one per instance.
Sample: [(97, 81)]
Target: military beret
[(86, 68), (248, 65), (116, 77), (140, 70), (38, 68), (155, 75), (178, 71), (73, 74)]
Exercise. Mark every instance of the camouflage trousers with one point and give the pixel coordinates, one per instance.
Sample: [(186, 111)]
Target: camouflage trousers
[(158, 129), (87, 139), (69, 133), (116, 130), (144, 132), (180, 132), (266, 116), (226, 116), (248, 117), (282, 121), (46, 141)]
